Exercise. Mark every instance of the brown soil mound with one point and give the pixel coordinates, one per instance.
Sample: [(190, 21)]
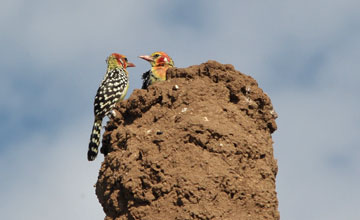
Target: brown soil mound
[(197, 146)]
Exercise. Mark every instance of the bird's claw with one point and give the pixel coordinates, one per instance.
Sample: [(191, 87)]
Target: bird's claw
[(112, 114)]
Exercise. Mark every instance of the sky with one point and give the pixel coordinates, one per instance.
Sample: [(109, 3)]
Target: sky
[(304, 55)]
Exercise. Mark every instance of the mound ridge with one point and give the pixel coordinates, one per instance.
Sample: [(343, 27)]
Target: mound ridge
[(197, 146)]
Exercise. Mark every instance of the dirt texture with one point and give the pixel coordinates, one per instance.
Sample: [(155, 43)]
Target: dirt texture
[(197, 146)]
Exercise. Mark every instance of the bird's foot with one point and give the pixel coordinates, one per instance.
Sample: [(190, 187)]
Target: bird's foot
[(112, 114)]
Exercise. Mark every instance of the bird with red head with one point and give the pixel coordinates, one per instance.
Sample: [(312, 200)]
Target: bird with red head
[(160, 62), (112, 89)]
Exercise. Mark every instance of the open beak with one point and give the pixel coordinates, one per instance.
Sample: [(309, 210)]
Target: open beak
[(147, 58), (130, 64)]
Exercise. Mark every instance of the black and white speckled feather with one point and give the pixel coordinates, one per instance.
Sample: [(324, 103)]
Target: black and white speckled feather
[(112, 89)]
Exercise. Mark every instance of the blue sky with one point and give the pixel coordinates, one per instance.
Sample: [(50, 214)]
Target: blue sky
[(304, 54)]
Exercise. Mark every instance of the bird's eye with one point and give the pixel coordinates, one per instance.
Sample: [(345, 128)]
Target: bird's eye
[(126, 59), (156, 55)]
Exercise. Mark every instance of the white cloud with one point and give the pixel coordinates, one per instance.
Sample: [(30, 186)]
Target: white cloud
[(45, 178), (317, 155), (276, 42)]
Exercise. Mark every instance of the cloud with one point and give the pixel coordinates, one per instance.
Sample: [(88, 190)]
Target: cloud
[(303, 54), (313, 139), (50, 178), (185, 14)]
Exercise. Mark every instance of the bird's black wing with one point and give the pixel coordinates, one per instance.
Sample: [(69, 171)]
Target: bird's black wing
[(110, 90), (146, 77)]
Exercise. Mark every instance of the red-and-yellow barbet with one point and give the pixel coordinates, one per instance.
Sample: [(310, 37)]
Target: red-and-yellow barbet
[(159, 62), (112, 89)]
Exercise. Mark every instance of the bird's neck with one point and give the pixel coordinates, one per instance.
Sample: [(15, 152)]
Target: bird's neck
[(159, 72), (112, 66)]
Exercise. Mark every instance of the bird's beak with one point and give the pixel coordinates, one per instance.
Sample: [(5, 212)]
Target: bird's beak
[(147, 58), (130, 64)]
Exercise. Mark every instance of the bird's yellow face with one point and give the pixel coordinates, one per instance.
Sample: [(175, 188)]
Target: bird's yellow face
[(117, 60), (158, 59)]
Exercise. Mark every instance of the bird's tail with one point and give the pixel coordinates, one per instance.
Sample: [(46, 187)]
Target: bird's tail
[(94, 140)]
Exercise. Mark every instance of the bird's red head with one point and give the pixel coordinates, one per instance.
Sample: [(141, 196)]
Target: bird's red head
[(119, 60), (158, 59)]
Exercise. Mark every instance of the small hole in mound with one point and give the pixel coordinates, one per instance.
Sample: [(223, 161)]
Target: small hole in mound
[(234, 99), (179, 202)]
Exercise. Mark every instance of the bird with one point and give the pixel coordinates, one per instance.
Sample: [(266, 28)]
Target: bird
[(112, 89), (160, 62)]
